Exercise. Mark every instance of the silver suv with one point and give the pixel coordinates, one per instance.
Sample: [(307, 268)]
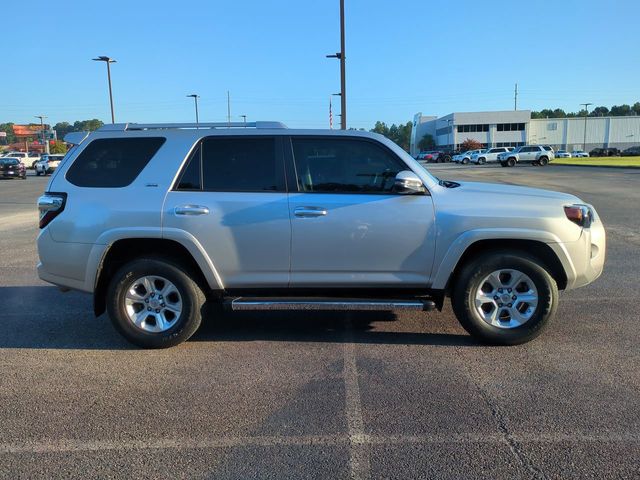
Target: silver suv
[(539, 155), (159, 221)]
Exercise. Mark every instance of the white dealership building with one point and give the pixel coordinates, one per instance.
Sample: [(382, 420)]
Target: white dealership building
[(513, 128)]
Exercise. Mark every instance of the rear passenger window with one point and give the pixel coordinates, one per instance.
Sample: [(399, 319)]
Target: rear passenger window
[(241, 164), (191, 178), (344, 166), (112, 162)]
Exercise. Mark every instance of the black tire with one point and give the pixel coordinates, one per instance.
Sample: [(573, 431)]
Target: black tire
[(37, 172), (193, 300), (482, 161), (462, 299), (511, 162), (465, 161), (543, 161)]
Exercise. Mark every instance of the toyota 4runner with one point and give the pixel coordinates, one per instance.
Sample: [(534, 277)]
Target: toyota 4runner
[(159, 220)]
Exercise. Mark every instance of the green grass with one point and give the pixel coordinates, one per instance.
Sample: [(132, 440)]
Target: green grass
[(600, 161)]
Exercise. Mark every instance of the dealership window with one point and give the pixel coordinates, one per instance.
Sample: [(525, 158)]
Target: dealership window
[(510, 127), (552, 126)]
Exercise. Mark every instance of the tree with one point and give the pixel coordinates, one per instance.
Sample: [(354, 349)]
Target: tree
[(58, 147), (426, 142), (87, 125), (620, 110), (599, 112), (636, 108), (62, 128), (470, 144), (400, 134), (8, 129)]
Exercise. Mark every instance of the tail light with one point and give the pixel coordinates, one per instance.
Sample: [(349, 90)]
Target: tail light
[(579, 214), (50, 205)]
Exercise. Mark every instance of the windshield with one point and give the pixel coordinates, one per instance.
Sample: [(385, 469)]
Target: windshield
[(9, 161)]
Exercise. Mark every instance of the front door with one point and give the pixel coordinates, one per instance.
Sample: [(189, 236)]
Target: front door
[(231, 197), (349, 227)]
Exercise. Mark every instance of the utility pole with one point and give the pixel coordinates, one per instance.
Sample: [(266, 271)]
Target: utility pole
[(515, 98), (45, 142), (244, 118), (343, 83), (195, 99), (108, 61), (228, 108), (586, 113)]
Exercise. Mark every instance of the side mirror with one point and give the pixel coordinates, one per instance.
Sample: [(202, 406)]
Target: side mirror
[(408, 183)]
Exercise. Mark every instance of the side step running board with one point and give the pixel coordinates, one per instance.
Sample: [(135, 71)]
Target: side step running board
[(253, 303)]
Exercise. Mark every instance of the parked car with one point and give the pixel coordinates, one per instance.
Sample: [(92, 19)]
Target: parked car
[(604, 152), (27, 159), (11, 167), (433, 156), (631, 152), (563, 154), (464, 157), (534, 154), (157, 220), (579, 154), (48, 163), (488, 155)]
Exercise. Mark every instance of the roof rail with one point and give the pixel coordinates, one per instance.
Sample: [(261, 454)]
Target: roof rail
[(166, 126)]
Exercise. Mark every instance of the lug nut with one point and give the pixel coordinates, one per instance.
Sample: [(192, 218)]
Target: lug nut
[(509, 290), (146, 300), (153, 294), (157, 310), (514, 297), (149, 308), (160, 297), (509, 305), (496, 297), (499, 304), (162, 304), (500, 290)]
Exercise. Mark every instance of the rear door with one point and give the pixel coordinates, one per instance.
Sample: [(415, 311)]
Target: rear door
[(231, 197), (349, 227)]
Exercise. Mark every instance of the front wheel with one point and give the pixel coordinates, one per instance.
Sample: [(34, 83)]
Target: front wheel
[(504, 298), (465, 161), (154, 303), (482, 161), (511, 162), (543, 161)]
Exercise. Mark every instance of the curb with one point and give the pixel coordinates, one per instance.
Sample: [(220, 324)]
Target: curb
[(635, 167)]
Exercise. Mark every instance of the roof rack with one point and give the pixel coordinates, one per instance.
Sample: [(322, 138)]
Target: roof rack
[(195, 126)]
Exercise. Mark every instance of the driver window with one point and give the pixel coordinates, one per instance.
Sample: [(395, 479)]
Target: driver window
[(330, 165)]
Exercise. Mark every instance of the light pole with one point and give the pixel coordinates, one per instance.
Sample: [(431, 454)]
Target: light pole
[(449, 122), (244, 118), (343, 84), (586, 112), (108, 61), (195, 100), (45, 142)]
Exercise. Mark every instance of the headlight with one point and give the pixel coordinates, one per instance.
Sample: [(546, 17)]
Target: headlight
[(581, 215)]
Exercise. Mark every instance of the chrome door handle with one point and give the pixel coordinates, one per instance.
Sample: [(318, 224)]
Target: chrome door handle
[(308, 212), (191, 210)]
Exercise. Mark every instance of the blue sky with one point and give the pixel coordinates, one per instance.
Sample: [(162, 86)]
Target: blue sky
[(402, 57)]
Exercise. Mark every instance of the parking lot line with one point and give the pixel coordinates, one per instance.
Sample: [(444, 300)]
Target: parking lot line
[(358, 454)]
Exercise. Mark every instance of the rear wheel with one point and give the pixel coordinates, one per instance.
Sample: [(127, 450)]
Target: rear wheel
[(511, 162), (482, 161), (543, 161), (504, 298), (465, 161), (154, 303)]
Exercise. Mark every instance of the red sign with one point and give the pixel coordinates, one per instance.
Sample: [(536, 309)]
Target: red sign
[(28, 130)]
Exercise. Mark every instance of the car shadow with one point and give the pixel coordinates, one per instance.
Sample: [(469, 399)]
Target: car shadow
[(41, 317)]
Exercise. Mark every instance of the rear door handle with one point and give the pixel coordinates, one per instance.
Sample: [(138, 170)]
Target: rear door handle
[(191, 210), (308, 212)]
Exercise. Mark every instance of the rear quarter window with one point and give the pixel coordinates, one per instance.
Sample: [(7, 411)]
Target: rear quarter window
[(113, 162)]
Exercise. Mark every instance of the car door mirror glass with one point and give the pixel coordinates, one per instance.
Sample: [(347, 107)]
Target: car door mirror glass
[(408, 183)]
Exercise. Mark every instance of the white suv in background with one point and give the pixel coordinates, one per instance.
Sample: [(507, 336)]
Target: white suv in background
[(465, 157), (489, 155), (539, 155)]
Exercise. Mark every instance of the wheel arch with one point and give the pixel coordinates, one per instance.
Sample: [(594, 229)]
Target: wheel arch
[(461, 252), (124, 250)]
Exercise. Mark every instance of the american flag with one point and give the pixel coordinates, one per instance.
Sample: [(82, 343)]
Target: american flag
[(330, 115)]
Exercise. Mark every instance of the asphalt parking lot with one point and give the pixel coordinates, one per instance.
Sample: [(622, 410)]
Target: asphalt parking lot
[(326, 395)]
